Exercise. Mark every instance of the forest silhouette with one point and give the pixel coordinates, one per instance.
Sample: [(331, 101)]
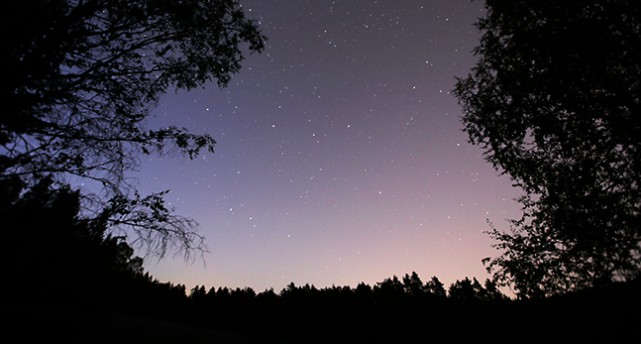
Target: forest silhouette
[(79, 78), (82, 288), (71, 281)]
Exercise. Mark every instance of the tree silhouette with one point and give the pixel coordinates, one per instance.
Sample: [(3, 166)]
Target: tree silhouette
[(81, 77), (491, 292), (435, 287), (60, 256), (465, 289), (390, 288), (555, 100), (413, 284)]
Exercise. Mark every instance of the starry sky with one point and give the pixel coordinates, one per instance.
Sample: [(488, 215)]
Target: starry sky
[(341, 157)]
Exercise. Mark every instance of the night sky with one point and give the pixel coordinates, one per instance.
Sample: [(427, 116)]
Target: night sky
[(341, 157)]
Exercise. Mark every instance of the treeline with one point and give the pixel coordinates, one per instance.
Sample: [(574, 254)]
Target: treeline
[(405, 310), (392, 310), (58, 262), (409, 287)]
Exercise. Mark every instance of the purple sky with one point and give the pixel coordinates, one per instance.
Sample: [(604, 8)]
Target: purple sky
[(340, 155)]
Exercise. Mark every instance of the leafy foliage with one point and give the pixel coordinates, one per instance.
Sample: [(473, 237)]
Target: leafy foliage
[(555, 100), (81, 77)]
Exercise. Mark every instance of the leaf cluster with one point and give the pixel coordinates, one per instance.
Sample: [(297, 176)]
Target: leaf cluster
[(555, 101), (80, 78)]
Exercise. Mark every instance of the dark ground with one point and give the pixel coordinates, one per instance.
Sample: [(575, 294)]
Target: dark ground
[(608, 315)]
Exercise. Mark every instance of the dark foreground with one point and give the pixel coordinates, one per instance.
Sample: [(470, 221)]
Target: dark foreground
[(606, 315)]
